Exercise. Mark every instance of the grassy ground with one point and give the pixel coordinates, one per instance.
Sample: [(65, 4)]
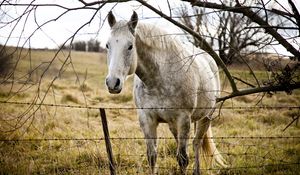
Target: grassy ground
[(64, 140)]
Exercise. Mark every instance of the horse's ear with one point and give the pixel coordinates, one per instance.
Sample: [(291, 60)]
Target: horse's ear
[(133, 21), (111, 19)]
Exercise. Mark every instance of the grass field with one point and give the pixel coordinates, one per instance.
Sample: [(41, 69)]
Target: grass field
[(63, 140)]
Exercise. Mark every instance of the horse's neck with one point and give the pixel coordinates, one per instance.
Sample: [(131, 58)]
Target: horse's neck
[(147, 66), (158, 54)]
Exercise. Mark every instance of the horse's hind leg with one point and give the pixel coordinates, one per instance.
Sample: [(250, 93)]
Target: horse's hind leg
[(182, 140), (202, 126), (149, 127)]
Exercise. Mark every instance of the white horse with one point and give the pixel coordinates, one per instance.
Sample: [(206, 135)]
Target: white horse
[(170, 86)]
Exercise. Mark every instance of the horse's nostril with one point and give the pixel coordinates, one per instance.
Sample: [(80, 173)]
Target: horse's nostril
[(117, 83)]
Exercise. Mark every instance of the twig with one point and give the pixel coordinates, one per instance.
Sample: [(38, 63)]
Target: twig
[(249, 84), (274, 27), (295, 119)]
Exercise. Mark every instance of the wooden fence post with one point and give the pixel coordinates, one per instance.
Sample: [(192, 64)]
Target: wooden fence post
[(107, 142)]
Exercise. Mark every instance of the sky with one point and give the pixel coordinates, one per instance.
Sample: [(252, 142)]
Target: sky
[(57, 32)]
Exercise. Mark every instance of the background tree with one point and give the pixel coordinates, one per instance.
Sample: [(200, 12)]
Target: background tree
[(93, 45), (79, 46), (227, 32), (89, 46)]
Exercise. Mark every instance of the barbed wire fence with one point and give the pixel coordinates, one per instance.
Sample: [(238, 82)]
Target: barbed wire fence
[(271, 157), (263, 154)]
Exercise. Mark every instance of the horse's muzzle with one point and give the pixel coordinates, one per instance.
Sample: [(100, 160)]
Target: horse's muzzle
[(114, 85)]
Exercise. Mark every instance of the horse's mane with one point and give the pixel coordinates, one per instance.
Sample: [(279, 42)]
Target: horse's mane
[(157, 38), (150, 35)]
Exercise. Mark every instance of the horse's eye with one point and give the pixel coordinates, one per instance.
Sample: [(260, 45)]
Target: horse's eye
[(130, 47), (107, 47)]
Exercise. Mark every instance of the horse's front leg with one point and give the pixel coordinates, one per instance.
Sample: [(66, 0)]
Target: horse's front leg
[(149, 126), (183, 125)]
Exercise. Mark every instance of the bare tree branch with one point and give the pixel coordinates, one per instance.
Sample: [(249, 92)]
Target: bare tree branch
[(296, 13), (254, 17), (101, 2), (271, 88)]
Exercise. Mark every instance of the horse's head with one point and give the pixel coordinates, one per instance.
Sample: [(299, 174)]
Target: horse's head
[(121, 56)]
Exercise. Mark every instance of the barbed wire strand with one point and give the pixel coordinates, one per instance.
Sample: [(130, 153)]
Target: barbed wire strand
[(133, 108), (142, 138)]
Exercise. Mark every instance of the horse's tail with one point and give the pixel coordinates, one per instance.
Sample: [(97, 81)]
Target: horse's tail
[(210, 152)]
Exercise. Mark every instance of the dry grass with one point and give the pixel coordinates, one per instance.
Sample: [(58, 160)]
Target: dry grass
[(89, 156)]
